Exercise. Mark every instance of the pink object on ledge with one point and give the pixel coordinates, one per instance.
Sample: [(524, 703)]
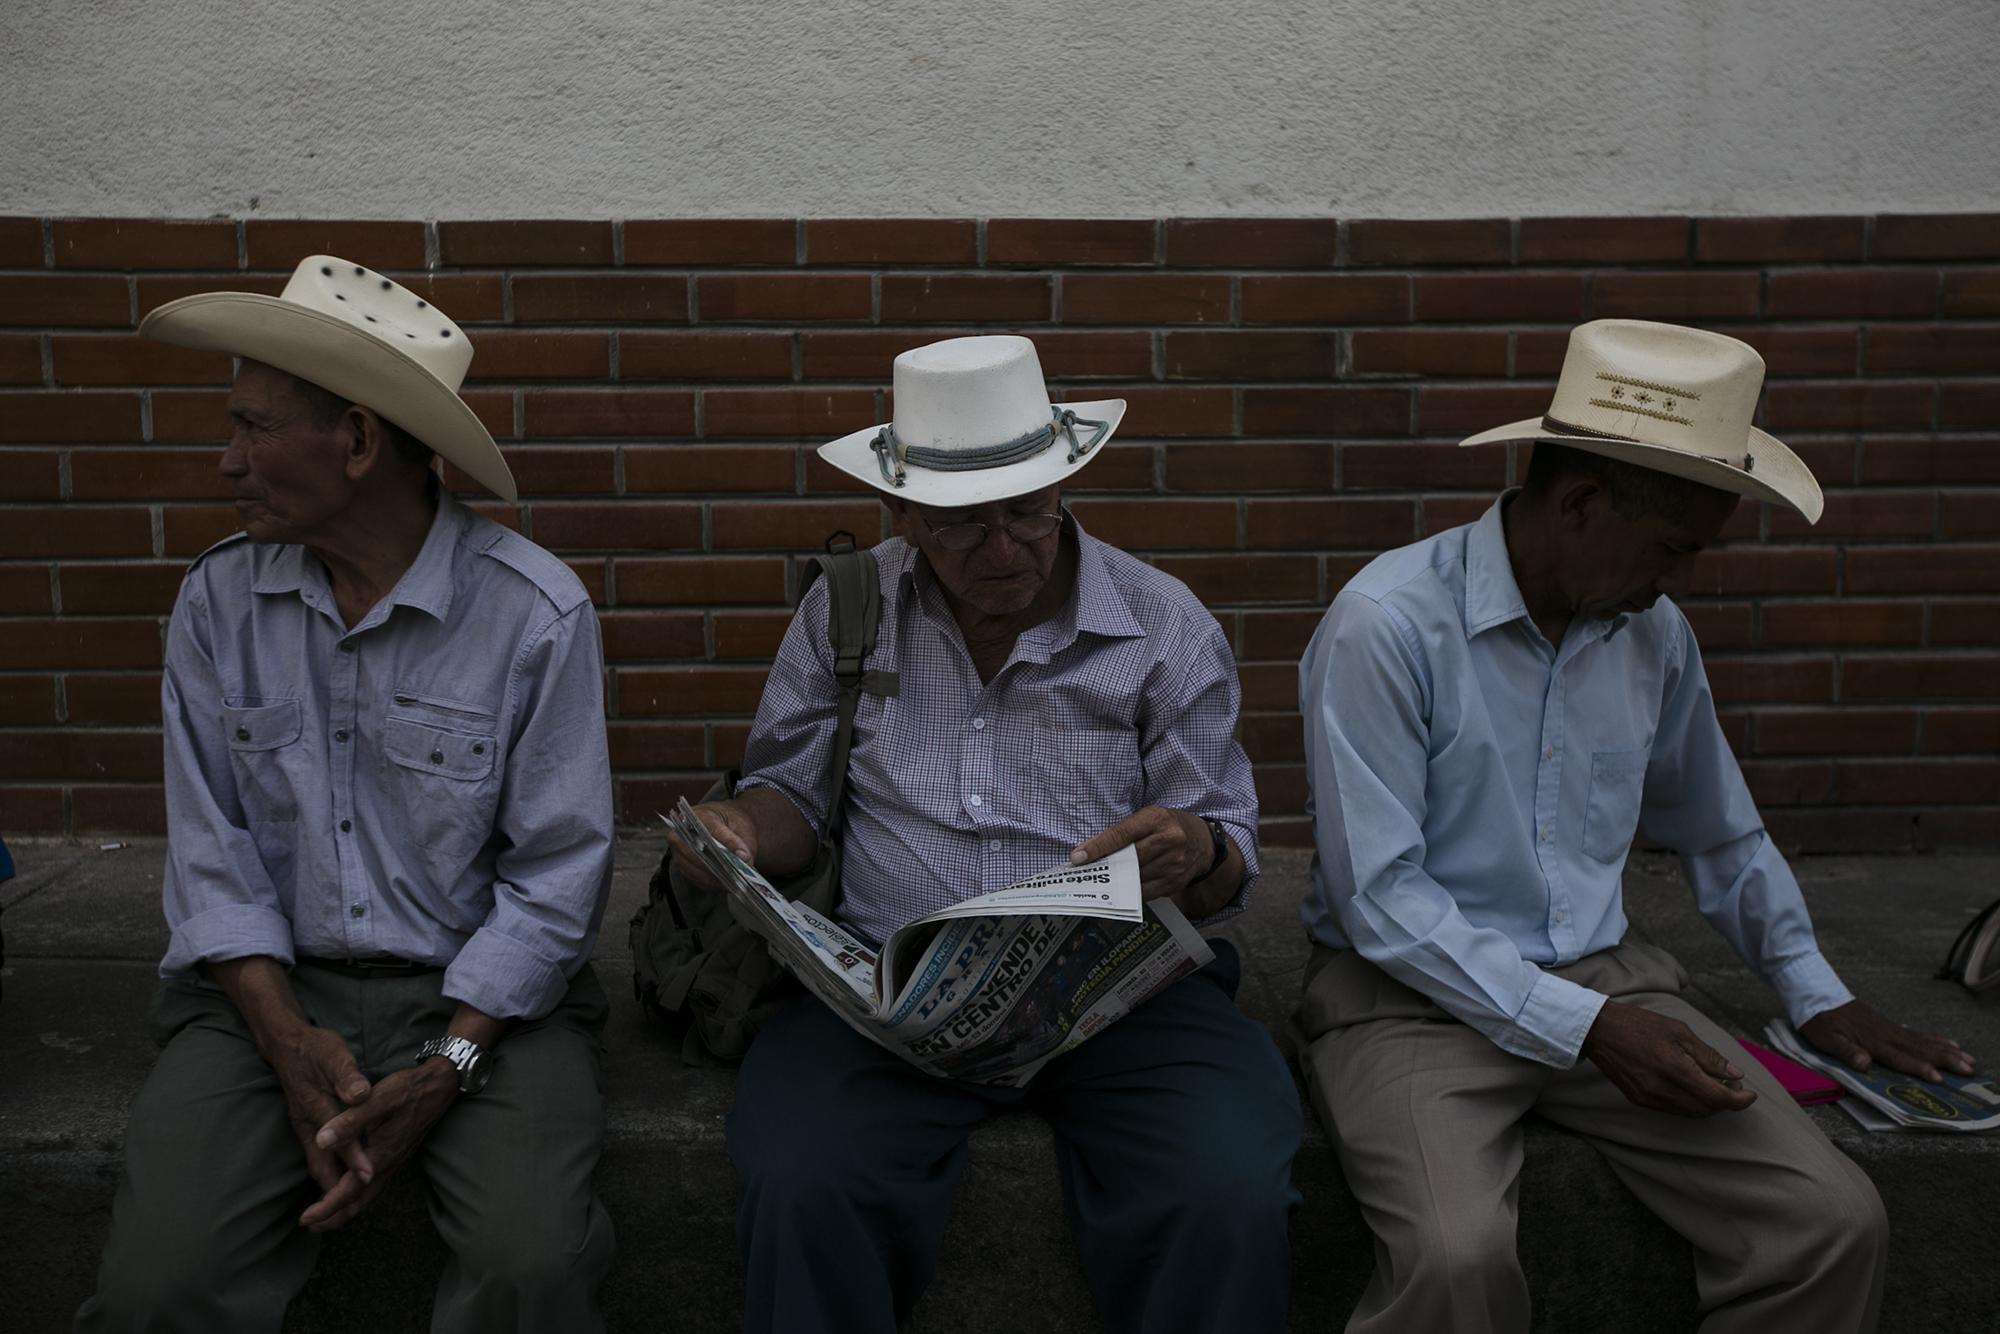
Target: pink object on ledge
[(1807, 1087)]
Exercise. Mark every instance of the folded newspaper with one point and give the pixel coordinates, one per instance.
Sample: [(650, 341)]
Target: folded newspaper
[(990, 989), (1886, 1099)]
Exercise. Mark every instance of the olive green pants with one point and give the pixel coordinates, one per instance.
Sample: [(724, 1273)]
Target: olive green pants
[(204, 1230)]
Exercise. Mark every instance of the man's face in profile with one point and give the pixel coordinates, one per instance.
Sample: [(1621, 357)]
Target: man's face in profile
[(288, 472)]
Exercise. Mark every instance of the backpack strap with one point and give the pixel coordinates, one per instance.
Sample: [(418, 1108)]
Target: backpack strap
[(854, 614)]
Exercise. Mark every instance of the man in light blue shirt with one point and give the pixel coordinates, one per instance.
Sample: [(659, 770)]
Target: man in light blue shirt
[(389, 820), (1491, 715)]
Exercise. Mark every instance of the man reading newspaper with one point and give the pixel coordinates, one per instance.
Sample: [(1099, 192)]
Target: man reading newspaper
[(1058, 700), (991, 988)]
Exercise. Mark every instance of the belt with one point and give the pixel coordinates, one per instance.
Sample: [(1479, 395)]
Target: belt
[(380, 965)]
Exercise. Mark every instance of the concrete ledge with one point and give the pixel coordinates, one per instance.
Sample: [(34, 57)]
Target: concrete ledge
[(84, 931)]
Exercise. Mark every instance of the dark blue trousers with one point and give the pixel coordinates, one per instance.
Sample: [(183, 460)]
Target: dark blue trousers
[(1175, 1130)]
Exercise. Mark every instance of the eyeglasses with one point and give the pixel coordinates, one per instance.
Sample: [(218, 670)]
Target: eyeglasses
[(1022, 528)]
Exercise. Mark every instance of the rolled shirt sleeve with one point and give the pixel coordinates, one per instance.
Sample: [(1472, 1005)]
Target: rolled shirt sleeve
[(218, 897), (1364, 697), (553, 873), (790, 749), (1188, 747)]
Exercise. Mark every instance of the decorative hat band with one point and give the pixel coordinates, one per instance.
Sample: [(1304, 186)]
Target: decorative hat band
[(1561, 427), (890, 454)]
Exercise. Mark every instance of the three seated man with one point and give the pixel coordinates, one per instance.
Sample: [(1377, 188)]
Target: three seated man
[(391, 829)]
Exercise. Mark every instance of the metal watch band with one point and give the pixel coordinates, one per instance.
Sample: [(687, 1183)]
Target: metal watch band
[(464, 1054)]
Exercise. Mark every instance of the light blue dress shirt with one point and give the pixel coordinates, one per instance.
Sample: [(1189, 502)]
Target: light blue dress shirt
[(1127, 697), (1475, 793), (432, 784)]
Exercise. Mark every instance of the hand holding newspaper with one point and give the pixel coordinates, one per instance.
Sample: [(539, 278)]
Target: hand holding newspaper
[(989, 989), (1885, 1099)]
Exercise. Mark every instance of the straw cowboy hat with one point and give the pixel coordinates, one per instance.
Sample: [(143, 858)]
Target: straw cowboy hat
[(974, 423), (1674, 399), (354, 333)]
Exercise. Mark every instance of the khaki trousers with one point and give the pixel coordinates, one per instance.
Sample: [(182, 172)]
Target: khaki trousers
[(204, 1229), (1788, 1233)]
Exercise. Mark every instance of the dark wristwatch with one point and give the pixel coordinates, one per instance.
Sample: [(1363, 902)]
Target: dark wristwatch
[(474, 1062), (1221, 837)]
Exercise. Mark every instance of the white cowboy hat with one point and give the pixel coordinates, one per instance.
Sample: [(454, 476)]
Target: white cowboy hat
[(354, 333), (974, 423), (1670, 398)]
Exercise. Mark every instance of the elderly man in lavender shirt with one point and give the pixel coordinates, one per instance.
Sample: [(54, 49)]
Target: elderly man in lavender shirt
[(389, 822), (1058, 699)]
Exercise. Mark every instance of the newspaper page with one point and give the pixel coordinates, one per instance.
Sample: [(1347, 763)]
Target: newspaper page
[(1958, 1103), (989, 989)]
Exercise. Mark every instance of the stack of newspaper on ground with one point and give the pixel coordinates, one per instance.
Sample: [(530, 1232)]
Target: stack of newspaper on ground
[(990, 989), (1885, 1099)]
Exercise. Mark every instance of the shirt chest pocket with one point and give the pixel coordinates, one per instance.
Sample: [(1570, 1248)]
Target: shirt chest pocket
[(444, 780), (264, 753), (1611, 816), (436, 751)]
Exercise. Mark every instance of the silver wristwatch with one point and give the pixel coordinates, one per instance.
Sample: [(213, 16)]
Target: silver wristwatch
[(474, 1062)]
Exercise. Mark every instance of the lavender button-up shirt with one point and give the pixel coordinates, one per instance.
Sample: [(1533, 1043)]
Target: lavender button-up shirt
[(1126, 698), (432, 784)]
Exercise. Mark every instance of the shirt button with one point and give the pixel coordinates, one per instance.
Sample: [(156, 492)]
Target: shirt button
[(356, 911), (1547, 836), (347, 646), (437, 757), (979, 724), (346, 825), (242, 734), (974, 799), (1549, 753), (341, 735), (479, 748), (993, 846)]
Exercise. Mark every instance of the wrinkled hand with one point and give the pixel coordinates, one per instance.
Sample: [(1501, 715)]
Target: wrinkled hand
[(319, 1076), (1174, 848), (399, 1112), (1658, 1062), (1856, 1034), (733, 829)]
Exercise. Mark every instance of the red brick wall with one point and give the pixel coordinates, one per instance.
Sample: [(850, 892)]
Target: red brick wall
[(1296, 388)]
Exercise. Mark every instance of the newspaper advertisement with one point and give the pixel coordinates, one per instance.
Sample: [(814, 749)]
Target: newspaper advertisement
[(987, 990), (1886, 1099)]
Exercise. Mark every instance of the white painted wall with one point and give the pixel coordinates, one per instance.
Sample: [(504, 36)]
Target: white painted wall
[(1356, 108)]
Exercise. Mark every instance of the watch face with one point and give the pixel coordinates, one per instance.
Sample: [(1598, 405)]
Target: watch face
[(473, 1075)]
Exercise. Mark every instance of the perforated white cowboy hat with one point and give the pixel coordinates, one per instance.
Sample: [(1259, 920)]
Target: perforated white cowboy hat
[(973, 423), (1673, 399), (354, 333)]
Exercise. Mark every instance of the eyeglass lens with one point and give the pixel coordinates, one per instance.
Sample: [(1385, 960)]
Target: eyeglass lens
[(1026, 528)]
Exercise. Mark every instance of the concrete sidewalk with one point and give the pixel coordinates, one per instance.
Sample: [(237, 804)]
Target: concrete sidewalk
[(84, 931)]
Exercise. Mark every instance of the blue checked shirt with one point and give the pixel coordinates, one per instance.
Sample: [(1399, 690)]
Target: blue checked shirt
[(1126, 698), (1475, 793), (431, 785)]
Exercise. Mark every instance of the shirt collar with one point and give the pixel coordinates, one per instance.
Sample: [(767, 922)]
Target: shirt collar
[(1492, 597), (426, 586), (1098, 608)]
